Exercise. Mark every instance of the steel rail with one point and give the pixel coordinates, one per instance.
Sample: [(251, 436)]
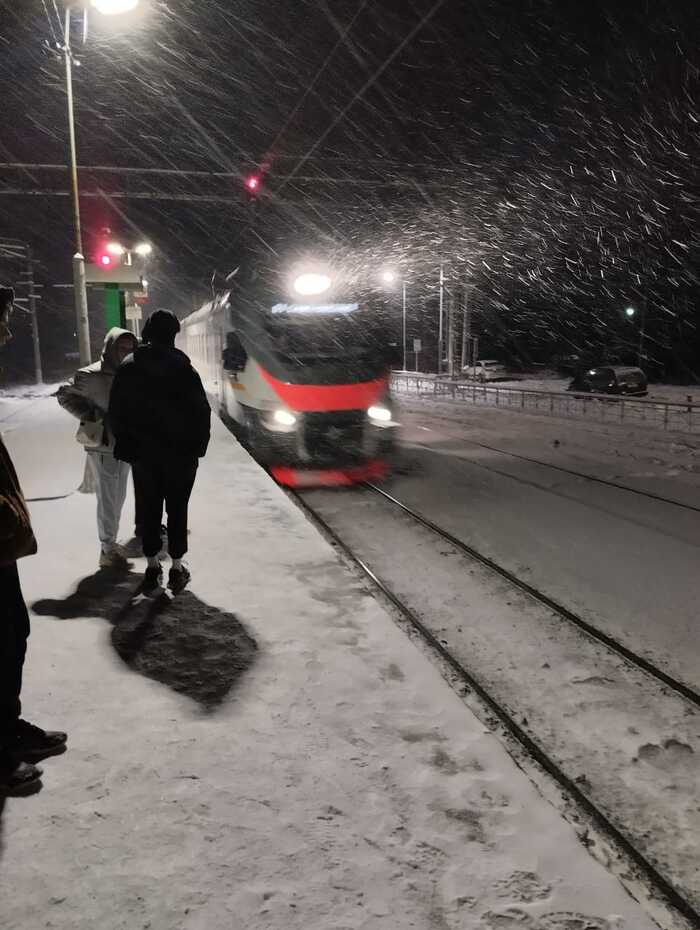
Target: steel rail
[(628, 654)]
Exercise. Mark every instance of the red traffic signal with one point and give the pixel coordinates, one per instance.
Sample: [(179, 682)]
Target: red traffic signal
[(105, 260), (253, 183)]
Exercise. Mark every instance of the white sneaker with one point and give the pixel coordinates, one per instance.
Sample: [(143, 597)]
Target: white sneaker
[(114, 557)]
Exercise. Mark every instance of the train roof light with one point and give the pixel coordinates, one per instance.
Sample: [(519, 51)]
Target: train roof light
[(314, 309), (311, 284)]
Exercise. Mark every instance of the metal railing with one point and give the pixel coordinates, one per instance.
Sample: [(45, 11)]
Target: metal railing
[(604, 408)]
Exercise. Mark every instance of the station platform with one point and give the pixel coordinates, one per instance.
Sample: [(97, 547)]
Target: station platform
[(266, 750)]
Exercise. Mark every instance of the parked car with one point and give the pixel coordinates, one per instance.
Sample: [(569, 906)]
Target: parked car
[(486, 370), (611, 379)]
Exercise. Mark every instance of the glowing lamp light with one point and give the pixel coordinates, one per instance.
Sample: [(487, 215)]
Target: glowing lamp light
[(630, 312), (115, 248), (388, 277), (115, 7), (253, 183), (284, 418), (311, 284), (380, 414), (105, 261), (143, 248)]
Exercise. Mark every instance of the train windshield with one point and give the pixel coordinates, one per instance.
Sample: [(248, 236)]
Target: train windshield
[(331, 331)]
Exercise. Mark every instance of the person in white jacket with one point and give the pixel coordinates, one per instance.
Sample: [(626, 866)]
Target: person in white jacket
[(87, 398)]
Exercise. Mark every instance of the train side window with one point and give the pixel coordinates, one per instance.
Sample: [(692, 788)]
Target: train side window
[(234, 355)]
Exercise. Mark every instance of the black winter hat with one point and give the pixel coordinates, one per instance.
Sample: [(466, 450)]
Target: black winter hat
[(161, 326), (7, 295)]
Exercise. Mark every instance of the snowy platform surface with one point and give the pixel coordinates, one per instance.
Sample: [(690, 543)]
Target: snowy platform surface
[(266, 751)]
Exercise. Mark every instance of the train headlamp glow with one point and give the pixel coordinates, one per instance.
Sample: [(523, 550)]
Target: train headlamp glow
[(115, 7), (379, 414), (311, 284), (284, 418)]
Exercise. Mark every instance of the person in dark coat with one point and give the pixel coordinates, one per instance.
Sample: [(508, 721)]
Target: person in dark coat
[(160, 418), (21, 743)]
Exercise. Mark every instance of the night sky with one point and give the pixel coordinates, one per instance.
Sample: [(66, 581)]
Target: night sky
[(545, 150)]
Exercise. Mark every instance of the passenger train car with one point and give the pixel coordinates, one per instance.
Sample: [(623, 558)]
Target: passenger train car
[(304, 383)]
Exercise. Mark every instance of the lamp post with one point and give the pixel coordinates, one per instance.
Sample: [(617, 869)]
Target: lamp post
[(388, 278), (630, 313), (107, 8), (441, 325)]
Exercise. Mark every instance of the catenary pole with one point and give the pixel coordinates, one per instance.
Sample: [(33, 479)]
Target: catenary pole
[(79, 283)]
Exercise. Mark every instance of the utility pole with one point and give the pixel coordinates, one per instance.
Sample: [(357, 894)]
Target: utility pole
[(79, 283), (21, 251), (466, 328), (642, 332), (403, 328), (451, 335), (38, 374), (440, 321)]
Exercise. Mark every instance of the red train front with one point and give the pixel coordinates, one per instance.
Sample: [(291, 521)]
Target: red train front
[(304, 382)]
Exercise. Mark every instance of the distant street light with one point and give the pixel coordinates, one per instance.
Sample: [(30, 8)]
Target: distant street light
[(108, 8), (388, 277), (115, 248), (143, 248), (631, 313)]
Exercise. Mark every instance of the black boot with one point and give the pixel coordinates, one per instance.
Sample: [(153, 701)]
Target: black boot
[(31, 743), (18, 779)]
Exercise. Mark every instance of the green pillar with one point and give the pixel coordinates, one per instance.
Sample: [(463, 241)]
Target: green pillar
[(113, 306)]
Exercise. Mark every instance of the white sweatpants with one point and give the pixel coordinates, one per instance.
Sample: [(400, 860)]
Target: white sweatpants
[(111, 477)]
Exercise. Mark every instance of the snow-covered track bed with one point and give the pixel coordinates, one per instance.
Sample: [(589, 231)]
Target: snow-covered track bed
[(595, 479), (619, 735), (540, 597)]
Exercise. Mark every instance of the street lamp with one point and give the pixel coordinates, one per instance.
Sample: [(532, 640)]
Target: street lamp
[(108, 8), (142, 249), (631, 313), (388, 277)]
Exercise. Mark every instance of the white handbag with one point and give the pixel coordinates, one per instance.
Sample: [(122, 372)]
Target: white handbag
[(90, 434)]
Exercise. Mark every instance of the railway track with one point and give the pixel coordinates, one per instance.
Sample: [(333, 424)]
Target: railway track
[(533, 747), (629, 655), (593, 479)]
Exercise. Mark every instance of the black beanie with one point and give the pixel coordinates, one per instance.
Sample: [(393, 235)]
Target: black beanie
[(7, 295), (162, 326)]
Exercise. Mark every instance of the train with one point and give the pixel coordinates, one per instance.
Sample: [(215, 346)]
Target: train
[(301, 372)]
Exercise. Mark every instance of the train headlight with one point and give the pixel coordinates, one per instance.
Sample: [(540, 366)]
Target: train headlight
[(379, 414), (311, 284), (284, 418)]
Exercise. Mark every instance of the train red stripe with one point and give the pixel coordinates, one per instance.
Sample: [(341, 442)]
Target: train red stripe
[(308, 398)]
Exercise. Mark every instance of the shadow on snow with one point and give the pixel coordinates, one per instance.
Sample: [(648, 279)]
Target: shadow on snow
[(181, 642)]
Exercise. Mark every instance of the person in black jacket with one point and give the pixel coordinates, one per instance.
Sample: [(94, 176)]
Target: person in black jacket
[(21, 743), (160, 418)]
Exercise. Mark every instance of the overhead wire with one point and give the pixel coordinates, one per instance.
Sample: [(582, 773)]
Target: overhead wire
[(50, 22), (60, 21), (317, 77), (363, 90)]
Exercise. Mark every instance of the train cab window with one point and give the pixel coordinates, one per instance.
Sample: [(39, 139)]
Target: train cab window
[(234, 356)]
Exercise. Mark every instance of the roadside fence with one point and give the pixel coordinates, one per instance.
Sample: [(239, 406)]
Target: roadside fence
[(605, 408)]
